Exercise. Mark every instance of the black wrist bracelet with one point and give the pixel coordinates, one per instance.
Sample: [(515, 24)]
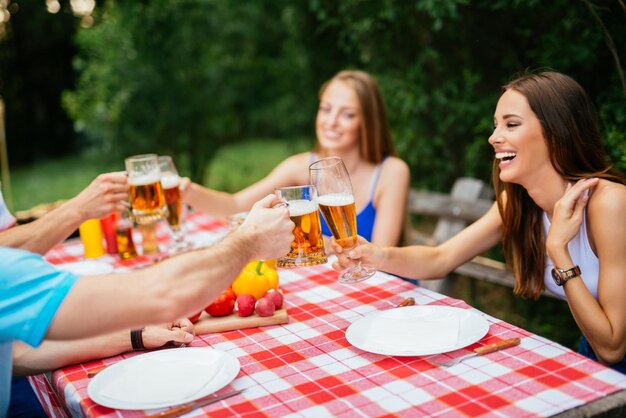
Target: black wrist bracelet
[(136, 339)]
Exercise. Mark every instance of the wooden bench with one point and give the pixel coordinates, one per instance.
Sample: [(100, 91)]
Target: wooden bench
[(468, 200)]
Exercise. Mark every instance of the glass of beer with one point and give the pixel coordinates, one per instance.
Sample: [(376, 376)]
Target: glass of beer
[(307, 247), (336, 202), (124, 235), (146, 195), (170, 182)]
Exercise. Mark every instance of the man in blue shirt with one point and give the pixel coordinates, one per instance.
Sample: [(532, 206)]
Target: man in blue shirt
[(37, 301)]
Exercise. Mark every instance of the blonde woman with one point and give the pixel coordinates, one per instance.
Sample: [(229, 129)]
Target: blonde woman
[(351, 123)]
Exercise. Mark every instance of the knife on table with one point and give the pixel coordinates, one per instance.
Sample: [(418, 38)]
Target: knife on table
[(184, 408)]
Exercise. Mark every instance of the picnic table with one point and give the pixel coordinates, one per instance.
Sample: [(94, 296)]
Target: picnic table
[(306, 367)]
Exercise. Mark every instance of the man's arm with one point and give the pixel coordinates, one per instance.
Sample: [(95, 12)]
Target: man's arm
[(104, 195), (51, 355), (176, 287)]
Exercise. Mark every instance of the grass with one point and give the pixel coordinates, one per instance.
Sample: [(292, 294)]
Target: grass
[(49, 181), (235, 167)]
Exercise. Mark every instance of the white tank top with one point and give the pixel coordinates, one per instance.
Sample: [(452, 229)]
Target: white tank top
[(582, 256), (6, 219)]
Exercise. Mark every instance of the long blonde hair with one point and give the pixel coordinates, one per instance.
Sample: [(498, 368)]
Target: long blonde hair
[(570, 127), (375, 137)]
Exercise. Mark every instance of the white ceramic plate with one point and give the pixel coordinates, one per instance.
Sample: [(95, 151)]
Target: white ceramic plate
[(87, 267), (163, 378), (417, 330)]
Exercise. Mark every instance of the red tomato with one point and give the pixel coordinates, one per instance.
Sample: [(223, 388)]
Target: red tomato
[(195, 317), (223, 305)]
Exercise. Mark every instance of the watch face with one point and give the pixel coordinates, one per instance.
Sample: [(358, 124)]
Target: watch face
[(557, 278)]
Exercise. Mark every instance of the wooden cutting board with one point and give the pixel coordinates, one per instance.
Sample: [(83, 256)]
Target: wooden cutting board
[(208, 324)]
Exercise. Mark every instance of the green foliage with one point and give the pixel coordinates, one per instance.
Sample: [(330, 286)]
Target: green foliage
[(441, 64), (35, 56), (188, 77), (62, 178), (185, 78), (254, 159)]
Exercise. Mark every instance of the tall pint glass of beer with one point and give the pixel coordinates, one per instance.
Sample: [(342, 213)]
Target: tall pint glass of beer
[(307, 247), (170, 182), (336, 203), (146, 195)]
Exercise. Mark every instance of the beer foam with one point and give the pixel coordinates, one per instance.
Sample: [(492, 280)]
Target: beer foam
[(336, 199), (170, 181), (143, 180), (301, 207)]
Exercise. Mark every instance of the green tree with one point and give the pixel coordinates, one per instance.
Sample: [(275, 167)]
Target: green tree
[(187, 77), (441, 64), (35, 67)]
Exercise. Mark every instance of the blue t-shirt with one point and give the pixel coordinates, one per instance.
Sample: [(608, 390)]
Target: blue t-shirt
[(31, 291)]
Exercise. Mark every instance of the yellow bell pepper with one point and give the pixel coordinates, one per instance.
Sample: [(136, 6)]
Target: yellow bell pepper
[(256, 279)]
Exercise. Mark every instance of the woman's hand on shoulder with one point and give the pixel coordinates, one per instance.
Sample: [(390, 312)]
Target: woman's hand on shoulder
[(567, 216)]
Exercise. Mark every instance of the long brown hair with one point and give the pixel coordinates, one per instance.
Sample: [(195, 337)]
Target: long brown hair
[(570, 127), (375, 137)]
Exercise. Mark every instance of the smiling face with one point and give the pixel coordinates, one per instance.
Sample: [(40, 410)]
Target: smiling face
[(518, 140), (338, 121)]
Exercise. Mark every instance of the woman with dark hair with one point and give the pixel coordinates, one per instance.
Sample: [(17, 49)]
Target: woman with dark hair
[(351, 123), (559, 213)]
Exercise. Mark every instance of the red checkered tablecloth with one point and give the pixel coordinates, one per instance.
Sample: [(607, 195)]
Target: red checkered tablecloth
[(307, 367)]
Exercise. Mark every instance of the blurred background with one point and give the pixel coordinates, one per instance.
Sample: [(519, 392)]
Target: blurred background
[(229, 88)]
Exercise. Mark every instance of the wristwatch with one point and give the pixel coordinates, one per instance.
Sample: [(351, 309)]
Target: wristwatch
[(562, 276)]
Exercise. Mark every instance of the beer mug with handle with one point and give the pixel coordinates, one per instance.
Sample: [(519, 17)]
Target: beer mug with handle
[(307, 247), (336, 202), (170, 182), (146, 195)]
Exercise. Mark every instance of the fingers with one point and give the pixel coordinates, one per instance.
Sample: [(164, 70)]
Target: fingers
[(158, 335), (186, 325), (267, 202), (338, 249), (355, 253), (118, 179), (179, 336), (576, 195), (581, 203), (185, 182), (581, 186)]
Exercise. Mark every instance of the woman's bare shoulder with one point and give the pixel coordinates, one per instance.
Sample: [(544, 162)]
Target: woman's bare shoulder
[(295, 162), (394, 166), (608, 198)]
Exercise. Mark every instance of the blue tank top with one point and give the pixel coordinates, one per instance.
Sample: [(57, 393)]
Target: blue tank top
[(364, 219)]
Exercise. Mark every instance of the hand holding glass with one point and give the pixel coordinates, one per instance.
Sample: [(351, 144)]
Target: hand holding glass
[(307, 247), (146, 196), (336, 202), (170, 182)]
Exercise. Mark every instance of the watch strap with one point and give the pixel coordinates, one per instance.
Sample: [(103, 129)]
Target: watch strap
[(569, 273), (561, 276)]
